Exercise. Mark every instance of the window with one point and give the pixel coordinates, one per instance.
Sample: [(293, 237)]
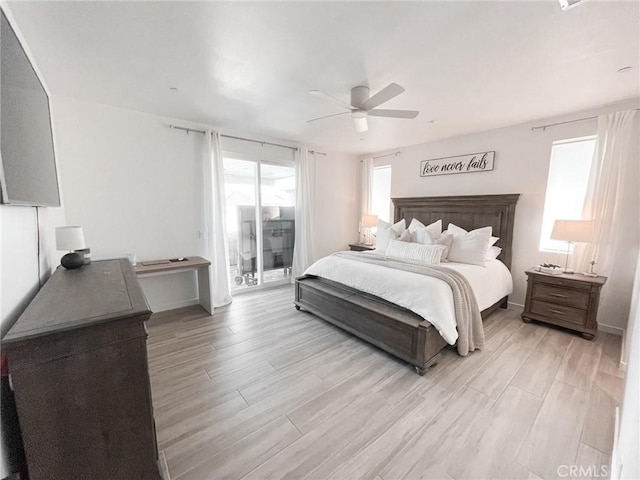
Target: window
[(381, 192), (566, 186)]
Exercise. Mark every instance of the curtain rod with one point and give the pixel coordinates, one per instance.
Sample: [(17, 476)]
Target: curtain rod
[(258, 141), (235, 138), (544, 127), (313, 152), (388, 155)]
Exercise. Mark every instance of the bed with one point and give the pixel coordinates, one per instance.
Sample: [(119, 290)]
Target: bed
[(395, 329)]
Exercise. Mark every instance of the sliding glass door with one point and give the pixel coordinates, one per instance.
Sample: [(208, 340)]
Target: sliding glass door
[(260, 199)]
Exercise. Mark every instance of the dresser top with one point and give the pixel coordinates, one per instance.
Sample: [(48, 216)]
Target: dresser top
[(100, 292)]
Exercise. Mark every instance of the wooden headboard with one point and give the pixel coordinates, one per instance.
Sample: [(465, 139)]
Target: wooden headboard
[(469, 212)]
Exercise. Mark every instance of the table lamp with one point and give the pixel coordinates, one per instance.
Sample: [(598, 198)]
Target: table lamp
[(369, 221), (70, 238), (572, 231)]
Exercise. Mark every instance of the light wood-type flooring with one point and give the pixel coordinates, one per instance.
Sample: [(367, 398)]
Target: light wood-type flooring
[(261, 391)]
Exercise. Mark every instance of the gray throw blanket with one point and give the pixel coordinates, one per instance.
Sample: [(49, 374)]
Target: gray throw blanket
[(468, 318)]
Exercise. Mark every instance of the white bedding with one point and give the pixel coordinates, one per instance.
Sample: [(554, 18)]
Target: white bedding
[(428, 297), (490, 283)]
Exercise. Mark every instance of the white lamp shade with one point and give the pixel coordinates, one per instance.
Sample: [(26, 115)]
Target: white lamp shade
[(572, 230), (369, 220), (70, 238)]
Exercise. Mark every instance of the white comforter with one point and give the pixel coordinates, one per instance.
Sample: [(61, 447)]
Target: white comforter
[(428, 297)]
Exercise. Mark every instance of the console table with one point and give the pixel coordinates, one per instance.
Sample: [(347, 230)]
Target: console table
[(78, 365), (163, 267)]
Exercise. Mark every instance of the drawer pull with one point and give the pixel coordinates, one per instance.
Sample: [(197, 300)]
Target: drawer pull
[(559, 312), (559, 295)]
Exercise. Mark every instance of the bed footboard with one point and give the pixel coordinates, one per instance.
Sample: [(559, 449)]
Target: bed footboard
[(396, 330)]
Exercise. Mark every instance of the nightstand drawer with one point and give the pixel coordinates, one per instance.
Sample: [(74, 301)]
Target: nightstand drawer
[(561, 296), (563, 282), (559, 312)]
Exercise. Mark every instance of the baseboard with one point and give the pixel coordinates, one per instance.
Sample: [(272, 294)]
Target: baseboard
[(515, 306), (603, 327), (172, 306)]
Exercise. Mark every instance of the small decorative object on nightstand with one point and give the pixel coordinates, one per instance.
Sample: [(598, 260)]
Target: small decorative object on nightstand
[(361, 247), (71, 239), (569, 300)]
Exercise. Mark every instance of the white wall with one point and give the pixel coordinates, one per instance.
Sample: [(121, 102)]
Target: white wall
[(624, 459), (521, 166), (135, 186), (336, 206)]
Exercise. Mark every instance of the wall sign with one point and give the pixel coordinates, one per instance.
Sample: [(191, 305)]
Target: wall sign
[(472, 162)]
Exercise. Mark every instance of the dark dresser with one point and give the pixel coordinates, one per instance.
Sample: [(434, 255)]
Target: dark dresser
[(78, 363)]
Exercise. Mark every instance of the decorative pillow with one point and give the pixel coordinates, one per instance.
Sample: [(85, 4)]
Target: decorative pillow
[(425, 238), (405, 236), (493, 253), (418, 230), (469, 247), (428, 254), (386, 232), (456, 230)]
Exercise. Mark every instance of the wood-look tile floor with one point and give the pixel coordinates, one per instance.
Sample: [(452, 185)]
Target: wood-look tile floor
[(261, 390)]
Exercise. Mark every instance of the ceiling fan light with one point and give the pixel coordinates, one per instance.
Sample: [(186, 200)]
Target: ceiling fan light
[(361, 124)]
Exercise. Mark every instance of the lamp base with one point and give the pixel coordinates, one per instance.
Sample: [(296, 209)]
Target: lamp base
[(72, 261)]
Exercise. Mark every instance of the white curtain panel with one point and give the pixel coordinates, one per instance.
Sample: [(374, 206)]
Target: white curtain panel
[(216, 231), (366, 185), (611, 164), (303, 250)]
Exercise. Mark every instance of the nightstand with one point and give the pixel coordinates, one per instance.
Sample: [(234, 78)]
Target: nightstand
[(569, 300), (361, 247)]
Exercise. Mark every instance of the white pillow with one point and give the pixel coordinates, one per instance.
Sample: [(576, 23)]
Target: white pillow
[(405, 236), (425, 238), (418, 230), (387, 232), (428, 254), (469, 247), (456, 230), (493, 253)]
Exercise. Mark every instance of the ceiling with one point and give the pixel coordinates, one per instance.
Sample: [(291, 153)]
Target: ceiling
[(471, 66)]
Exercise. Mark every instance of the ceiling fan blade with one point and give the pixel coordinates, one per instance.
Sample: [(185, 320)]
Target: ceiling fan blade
[(394, 113), (321, 94), (361, 124), (387, 93), (327, 116)]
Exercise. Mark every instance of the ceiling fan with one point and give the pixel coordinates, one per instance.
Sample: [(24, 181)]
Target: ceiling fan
[(362, 105)]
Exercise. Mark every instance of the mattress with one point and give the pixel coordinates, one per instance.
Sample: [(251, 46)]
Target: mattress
[(426, 296)]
